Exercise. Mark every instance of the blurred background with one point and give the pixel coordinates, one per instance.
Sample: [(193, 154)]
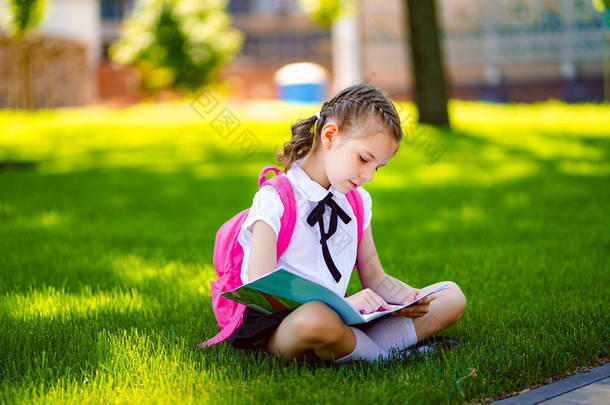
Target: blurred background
[(81, 52)]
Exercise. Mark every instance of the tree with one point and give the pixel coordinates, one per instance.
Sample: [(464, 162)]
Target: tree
[(325, 12), (603, 6), (426, 57), (178, 44), (427, 62), (23, 15)]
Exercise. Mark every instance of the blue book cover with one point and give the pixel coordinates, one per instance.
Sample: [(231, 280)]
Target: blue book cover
[(282, 290)]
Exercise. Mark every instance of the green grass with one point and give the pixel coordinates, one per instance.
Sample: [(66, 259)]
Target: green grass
[(108, 218)]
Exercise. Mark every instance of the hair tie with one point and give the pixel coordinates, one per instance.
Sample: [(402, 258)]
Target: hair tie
[(318, 115)]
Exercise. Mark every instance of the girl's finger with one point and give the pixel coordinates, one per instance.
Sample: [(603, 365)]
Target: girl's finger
[(419, 313), (371, 305), (411, 297), (366, 307), (425, 301), (384, 305), (380, 304)]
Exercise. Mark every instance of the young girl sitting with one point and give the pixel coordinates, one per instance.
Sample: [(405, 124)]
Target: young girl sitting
[(332, 152)]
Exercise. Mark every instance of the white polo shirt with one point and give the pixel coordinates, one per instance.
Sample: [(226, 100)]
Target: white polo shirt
[(304, 253)]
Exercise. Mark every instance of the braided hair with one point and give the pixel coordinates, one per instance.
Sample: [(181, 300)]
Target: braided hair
[(350, 107)]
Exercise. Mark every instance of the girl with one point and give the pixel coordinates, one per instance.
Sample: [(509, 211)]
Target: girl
[(332, 152)]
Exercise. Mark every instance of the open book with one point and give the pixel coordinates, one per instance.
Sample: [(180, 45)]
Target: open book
[(282, 290)]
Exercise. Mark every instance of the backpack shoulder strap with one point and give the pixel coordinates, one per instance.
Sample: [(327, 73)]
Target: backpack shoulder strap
[(282, 185), (355, 200)]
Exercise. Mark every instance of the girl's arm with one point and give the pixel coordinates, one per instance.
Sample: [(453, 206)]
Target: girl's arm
[(372, 275), (263, 250)]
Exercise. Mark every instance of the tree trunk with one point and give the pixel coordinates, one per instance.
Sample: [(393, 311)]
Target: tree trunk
[(427, 62)]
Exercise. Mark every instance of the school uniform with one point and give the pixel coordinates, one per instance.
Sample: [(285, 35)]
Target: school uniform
[(330, 265)]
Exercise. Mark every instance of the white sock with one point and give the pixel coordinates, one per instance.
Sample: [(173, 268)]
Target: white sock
[(393, 333), (365, 349)]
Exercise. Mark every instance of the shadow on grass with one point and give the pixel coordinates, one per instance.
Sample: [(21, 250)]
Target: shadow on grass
[(10, 165)]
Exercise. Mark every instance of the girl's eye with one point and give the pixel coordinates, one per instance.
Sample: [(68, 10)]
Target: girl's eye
[(365, 161)]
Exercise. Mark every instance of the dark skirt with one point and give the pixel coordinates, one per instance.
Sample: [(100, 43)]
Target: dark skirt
[(256, 329)]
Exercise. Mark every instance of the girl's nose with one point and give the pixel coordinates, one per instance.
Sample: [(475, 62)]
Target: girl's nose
[(367, 175)]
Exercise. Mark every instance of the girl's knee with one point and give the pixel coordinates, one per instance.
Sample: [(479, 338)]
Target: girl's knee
[(456, 301), (317, 322)]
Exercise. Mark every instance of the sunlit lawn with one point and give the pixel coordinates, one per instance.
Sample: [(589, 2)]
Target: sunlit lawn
[(108, 219)]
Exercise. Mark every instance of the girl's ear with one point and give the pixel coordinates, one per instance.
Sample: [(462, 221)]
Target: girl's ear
[(328, 134)]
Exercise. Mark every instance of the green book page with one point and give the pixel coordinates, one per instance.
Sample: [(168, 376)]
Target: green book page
[(254, 298)]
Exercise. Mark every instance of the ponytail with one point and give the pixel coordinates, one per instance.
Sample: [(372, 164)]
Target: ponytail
[(304, 133)]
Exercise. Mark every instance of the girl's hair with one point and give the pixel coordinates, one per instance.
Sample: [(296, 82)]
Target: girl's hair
[(350, 107)]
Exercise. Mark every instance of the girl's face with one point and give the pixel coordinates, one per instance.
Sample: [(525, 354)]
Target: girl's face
[(352, 158)]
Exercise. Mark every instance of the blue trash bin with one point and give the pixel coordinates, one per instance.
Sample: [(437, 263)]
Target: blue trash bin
[(301, 83)]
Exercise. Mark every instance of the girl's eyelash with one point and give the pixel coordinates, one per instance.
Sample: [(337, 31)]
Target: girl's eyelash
[(364, 161)]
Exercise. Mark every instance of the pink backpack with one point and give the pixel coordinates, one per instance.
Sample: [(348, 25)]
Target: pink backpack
[(228, 253)]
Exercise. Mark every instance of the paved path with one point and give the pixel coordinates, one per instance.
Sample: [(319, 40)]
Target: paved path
[(591, 387)]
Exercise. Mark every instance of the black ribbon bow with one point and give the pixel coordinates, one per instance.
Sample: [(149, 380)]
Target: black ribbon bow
[(317, 215)]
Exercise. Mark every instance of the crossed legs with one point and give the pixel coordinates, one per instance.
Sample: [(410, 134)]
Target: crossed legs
[(315, 330)]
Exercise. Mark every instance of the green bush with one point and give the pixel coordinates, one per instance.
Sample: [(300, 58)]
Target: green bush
[(324, 13), (177, 44), (23, 15)]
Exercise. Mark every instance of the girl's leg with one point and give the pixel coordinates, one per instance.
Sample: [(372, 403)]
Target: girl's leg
[(446, 307), (312, 330), (400, 332)]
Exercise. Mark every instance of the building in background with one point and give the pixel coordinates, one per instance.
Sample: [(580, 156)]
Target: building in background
[(500, 50), (504, 50)]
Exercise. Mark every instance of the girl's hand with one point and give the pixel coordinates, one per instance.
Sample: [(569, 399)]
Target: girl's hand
[(367, 301), (416, 310)]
